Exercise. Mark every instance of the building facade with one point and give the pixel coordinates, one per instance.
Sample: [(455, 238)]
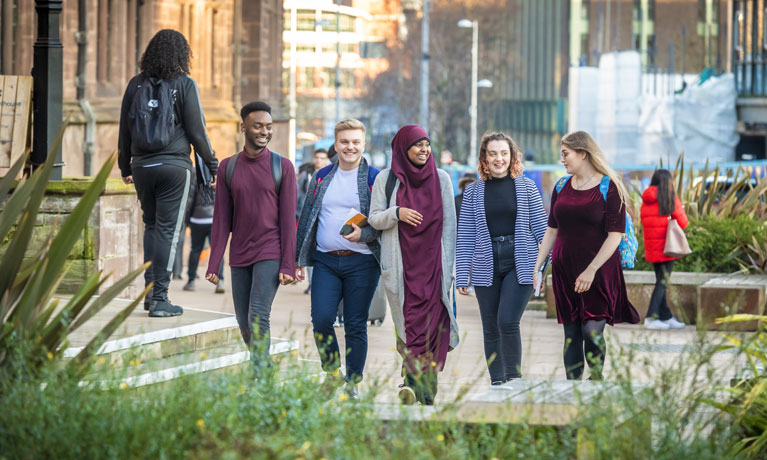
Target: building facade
[(236, 46)]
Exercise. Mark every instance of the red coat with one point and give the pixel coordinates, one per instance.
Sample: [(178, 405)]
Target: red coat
[(654, 226)]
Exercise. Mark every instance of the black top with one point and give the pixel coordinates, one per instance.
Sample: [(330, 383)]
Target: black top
[(501, 206), (188, 111)]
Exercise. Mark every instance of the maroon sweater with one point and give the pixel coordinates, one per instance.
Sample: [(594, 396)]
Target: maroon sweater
[(263, 225)]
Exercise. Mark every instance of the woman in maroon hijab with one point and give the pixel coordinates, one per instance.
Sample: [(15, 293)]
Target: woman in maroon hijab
[(417, 259)]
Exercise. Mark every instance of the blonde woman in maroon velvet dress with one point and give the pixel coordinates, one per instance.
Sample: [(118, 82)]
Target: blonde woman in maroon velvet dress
[(584, 232)]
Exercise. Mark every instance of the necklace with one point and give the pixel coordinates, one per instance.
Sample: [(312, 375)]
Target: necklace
[(584, 184)]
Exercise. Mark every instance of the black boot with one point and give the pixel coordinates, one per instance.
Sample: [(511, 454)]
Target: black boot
[(161, 306)]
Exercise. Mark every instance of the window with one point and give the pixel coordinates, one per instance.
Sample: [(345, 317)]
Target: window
[(373, 50), (118, 23), (329, 22), (304, 19)]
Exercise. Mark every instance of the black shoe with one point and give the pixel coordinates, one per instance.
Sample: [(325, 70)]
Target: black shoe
[(164, 309), (189, 286), (308, 290), (406, 395)]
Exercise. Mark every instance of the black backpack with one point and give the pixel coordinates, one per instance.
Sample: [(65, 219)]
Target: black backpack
[(153, 118), (276, 163)]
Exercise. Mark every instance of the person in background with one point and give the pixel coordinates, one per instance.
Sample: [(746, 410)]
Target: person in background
[(503, 220), (463, 182), (659, 205), (200, 225), (307, 170), (417, 259), (584, 230)]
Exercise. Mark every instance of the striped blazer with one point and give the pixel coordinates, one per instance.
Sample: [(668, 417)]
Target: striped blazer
[(474, 251)]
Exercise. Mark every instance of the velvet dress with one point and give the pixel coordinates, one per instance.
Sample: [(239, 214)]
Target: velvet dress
[(582, 219)]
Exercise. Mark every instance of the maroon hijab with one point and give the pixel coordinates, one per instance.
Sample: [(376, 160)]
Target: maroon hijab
[(427, 323)]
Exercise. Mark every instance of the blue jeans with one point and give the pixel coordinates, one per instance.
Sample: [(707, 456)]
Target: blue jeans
[(353, 279)]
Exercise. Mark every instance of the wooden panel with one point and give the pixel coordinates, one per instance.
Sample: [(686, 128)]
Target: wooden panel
[(15, 112)]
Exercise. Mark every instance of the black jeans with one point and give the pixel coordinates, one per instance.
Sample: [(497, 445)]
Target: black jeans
[(658, 305), (163, 190), (253, 291), (501, 306), (200, 232)]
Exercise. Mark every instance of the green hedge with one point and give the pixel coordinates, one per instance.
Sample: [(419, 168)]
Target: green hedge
[(714, 244)]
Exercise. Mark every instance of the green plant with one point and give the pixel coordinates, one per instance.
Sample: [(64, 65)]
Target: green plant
[(748, 403), (715, 242), (33, 325)]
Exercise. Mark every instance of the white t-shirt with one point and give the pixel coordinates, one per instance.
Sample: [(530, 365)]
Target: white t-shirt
[(342, 194)]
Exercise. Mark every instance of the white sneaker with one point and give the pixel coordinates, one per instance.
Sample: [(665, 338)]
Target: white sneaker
[(673, 323), (655, 324)]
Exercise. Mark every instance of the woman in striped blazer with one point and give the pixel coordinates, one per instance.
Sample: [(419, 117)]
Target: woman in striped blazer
[(502, 220)]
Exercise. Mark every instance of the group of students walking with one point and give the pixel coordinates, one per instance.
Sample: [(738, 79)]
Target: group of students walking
[(412, 239)]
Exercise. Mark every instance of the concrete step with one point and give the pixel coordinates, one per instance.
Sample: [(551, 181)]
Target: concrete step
[(138, 373), (163, 343)]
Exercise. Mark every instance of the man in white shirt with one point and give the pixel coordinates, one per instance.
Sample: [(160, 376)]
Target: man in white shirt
[(345, 267)]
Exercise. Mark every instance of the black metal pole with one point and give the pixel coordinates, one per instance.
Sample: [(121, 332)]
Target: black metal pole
[(47, 73)]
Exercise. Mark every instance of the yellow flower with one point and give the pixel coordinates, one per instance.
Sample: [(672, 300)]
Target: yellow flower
[(320, 412), (101, 361), (315, 378), (294, 352), (284, 414), (305, 446), (393, 349), (201, 423), (203, 355), (440, 438), (242, 388), (123, 385), (50, 355), (343, 397), (433, 364)]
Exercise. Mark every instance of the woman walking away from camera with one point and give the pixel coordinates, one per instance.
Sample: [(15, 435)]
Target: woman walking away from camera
[(586, 223), (160, 120), (501, 223), (659, 205), (416, 212)]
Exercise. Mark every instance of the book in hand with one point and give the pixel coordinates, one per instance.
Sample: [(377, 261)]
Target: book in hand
[(353, 217)]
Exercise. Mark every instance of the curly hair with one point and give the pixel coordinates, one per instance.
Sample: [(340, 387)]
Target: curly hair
[(515, 165), (166, 56)]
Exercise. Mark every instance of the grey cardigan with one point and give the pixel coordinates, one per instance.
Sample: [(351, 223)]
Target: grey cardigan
[(307, 224), (384, 217)]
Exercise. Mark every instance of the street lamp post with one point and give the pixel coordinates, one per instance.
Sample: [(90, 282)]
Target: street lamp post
[(48, 86), (474, 26)]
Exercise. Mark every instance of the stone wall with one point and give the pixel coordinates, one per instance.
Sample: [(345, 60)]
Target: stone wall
[(111, 242)]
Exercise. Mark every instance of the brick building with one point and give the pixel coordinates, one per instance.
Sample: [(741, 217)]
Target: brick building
[(116, 33)]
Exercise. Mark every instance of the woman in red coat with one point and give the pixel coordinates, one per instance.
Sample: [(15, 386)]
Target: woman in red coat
[(659, 204)]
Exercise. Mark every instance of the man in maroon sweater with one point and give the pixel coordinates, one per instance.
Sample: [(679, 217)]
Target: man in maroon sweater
[(261, 219)]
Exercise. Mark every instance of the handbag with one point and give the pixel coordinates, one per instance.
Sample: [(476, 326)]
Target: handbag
[(676, 241)]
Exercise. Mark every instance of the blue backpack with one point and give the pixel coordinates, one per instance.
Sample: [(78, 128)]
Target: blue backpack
[(629, 243)]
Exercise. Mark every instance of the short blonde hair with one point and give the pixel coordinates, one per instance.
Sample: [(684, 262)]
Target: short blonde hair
[(347, 124)]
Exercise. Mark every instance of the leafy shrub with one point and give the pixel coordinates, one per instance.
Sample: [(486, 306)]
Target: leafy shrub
[(715, 243)]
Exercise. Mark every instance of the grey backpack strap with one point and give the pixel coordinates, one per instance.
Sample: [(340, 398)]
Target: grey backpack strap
[(277, 171), (230, 170), (391, 181)]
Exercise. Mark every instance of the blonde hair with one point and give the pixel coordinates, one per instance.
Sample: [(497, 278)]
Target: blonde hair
[(582, 142), (515, 163), (347, 124)]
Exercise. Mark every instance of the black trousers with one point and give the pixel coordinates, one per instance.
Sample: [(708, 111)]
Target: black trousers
[(200, 233), (501, 306), (162, 190), (658, 304)]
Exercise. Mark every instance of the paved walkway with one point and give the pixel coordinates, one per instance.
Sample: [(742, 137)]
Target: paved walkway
[(542, 339), (465, 371)]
